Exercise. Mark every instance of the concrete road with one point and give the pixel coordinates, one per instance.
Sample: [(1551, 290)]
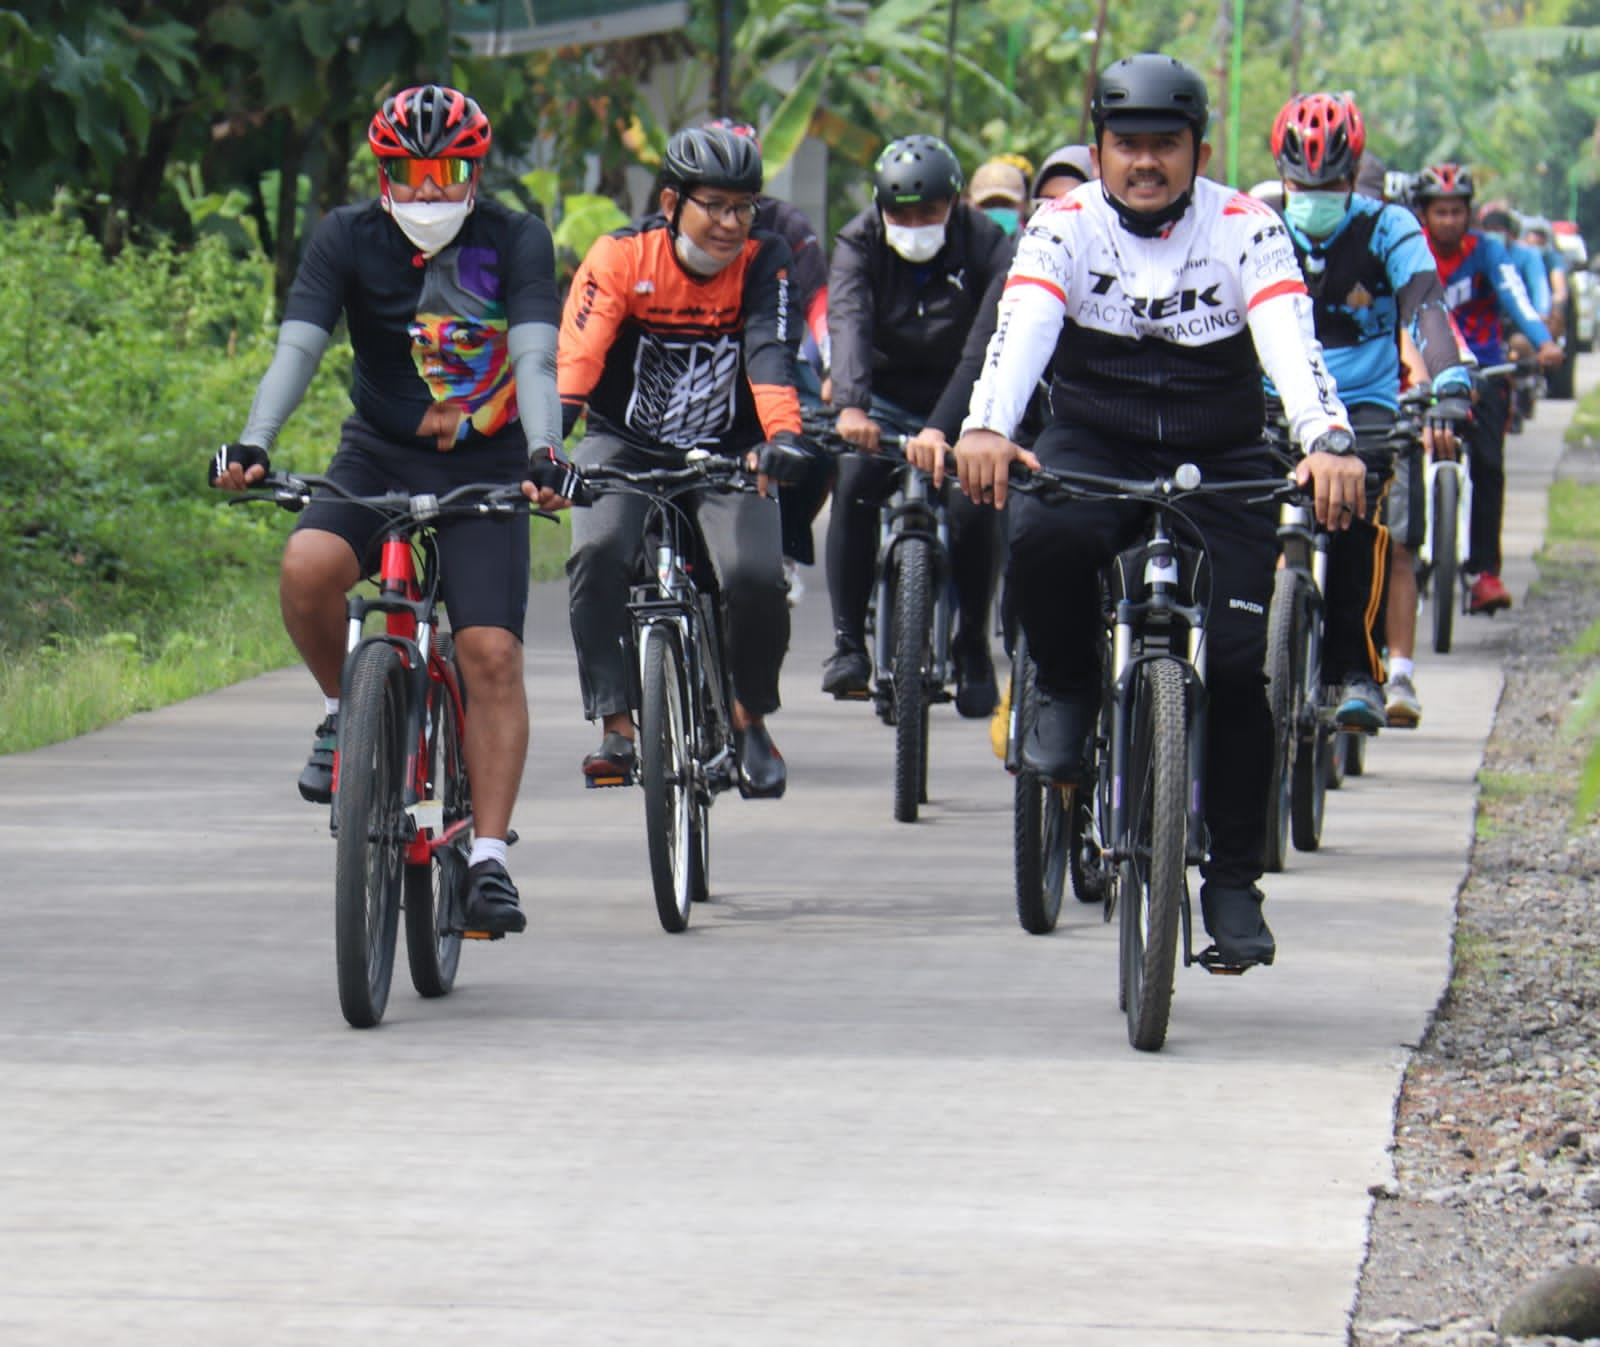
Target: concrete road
[(853, 1104)]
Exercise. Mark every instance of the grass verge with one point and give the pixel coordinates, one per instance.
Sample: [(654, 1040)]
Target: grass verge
[(76, 684)]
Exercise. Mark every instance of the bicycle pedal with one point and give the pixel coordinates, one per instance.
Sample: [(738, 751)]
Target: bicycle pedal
[(606, 782), (483, 935), (864, 695), (1210, 959)]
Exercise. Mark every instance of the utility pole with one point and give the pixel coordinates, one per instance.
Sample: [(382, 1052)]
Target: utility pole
[(950, 71), (1297, 18), (725, 59), (1094, 70)]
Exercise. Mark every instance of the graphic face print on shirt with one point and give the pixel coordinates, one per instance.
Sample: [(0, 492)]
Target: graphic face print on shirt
[(458, 340)]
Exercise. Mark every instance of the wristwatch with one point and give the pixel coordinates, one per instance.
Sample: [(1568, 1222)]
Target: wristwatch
[(1335, 440)]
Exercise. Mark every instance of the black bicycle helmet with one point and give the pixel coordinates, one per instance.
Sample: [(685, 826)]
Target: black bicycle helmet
[(429, 121), (712, 157), (1148, 93), (914, 169)]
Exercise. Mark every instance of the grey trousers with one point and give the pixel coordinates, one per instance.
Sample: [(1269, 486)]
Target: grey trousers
[(743, 537)]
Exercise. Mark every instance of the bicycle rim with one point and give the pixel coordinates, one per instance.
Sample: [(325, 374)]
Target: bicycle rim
[(1308, 789), (1153, 872), (435, 892), (1282, 689), (1446, 559), (665, 773), (369, 856), (912, 633)]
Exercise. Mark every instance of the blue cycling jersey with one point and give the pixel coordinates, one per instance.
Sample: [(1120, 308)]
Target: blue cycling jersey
[(1535, 279), (1372, 275), (1479, 282)]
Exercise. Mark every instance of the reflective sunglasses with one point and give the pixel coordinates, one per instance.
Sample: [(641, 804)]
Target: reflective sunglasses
[(414, 172)]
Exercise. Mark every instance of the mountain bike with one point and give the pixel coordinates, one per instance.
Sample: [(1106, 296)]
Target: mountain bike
[(402, 799), (1312, 754), (1447, 536), (911, 616), (683, 693), (1144, 824)]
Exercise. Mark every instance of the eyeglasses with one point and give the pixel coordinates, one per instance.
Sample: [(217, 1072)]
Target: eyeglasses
[(736, 212), (444, 172)]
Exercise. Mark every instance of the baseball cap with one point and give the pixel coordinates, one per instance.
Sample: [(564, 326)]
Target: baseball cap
[(998, 181)]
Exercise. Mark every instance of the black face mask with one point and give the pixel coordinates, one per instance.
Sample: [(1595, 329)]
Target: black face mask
[(1148, 224)]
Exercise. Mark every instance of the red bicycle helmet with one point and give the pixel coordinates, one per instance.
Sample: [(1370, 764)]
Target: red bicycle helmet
[(1438, 181), (429, 121), (1318, 139)]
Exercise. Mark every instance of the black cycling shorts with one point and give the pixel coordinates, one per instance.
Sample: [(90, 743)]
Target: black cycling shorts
[(484, 561)]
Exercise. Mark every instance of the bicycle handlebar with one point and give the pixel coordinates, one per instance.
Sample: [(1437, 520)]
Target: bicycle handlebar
[(1185, 481), (701, 469), (294, 491), (823, 432)]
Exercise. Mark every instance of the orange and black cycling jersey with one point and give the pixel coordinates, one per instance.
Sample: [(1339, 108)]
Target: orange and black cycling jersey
[(669, 360)]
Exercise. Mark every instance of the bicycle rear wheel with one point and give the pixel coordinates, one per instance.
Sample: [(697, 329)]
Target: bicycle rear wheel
[(1355, 754), (1283, 695), (1152, 876), (1041, 828), (666, 773), (436, 891), (1446, 563), (369, 855), (912, 645), (1308, 787)]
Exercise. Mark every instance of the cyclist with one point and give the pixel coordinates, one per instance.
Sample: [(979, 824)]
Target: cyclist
[(800, 502), (907, 276), (1497, 223), (1479, 279), (1536, 235), (451, 306), (1163, 290), (999, 188), (1063, 170), (1370, 276), (676, 336)]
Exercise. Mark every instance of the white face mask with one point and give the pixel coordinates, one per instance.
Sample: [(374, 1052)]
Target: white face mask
[(915, 243), (430, 225), (696, 258)]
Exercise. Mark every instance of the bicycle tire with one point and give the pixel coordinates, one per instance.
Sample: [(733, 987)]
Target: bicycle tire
[(1041, 830), (666, 775), (1336, 761), (912, 632), (1355, 755), (435, 891), (1309, 778), (1283, 695), (1153, 874), (369, 855), (1446, 563)]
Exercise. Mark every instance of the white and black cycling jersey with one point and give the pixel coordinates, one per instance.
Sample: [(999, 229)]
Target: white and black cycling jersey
[(1157, 340)]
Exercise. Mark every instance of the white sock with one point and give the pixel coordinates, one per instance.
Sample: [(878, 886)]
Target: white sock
[(487, 849), (1401, 667), (330, 706)]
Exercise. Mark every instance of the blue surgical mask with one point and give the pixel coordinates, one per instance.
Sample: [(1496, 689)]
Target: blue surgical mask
[(1007, 217), (1316, 214)]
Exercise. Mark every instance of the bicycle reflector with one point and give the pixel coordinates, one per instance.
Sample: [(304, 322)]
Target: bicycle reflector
[(414, 172)]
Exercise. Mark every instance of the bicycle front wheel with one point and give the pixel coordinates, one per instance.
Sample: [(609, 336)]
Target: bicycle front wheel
[(369, 857), (1152, 876), (1283, 695), (1446, 562), (1308, 791), (913, 636), (1041, 831), (666, 772), (435, 891)]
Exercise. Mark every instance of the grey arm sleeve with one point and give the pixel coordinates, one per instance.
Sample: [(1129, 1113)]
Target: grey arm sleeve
[(532, 350), (300, 348)]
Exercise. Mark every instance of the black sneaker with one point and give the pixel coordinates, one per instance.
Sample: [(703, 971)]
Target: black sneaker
[(492, 907), (1057, 746), (976, 693), (762, 773), (1232, 913), (847, 672), (316, 778), (615, 757)]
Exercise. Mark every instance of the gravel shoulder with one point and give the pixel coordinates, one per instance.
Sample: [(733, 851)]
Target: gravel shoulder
[(1497, 1128)]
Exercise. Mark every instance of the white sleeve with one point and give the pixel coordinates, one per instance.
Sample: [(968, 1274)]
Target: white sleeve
[(1281, 325), (1031, 309)]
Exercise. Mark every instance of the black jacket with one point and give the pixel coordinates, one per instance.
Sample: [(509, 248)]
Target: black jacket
[(897, 327)]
